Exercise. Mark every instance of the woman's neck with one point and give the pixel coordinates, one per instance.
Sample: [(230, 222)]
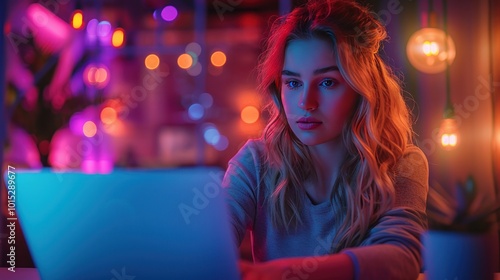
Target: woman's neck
[(327, 159)]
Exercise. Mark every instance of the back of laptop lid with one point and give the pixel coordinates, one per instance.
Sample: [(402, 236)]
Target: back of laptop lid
[(142, 224)]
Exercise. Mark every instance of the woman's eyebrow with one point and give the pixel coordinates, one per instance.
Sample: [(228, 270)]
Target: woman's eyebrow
[(326, 69), (289, 73), (316, 72)]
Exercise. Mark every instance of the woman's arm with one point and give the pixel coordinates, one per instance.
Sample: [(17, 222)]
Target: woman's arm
[(392, 249), (240, 185), (330, 267)]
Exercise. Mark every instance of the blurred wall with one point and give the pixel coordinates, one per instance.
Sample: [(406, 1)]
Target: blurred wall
[(473, 89)]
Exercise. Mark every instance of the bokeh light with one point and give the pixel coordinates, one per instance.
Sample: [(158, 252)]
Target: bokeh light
[(89, 75), (196, 111), (101, 75), (211, 134), (194, 48), (206, 100), (152, 61), (218, 58), (194, 56), (250, 114), (156, 13), (195, 70), (77, 19), (103, 28), (89, 129), (76, 123), (108, 115), (97, 76), (184, 61), (92, 28), (169, 13), (118, 38), (222, 144)]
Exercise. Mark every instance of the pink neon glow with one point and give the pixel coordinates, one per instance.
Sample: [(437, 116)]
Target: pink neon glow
[(76, 123), (104, 32), (103, 28), (169, 13), (97, 166), (50, 32), (89, 166), (64, 151), (92, 29), (105, 166)]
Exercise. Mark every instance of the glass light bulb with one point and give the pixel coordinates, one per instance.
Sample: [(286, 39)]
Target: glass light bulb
[(448, 133), (428, 52)]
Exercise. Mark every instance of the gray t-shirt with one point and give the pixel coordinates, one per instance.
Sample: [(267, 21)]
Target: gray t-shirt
[(394, 242)]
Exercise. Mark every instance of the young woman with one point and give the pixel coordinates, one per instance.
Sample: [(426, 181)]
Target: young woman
[(334, 188)]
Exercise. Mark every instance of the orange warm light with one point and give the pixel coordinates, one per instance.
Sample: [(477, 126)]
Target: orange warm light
[(430, 48), (250, 114), (449, 133), (77, 20), (118, 38), (185, 61), (108, 115), (89, 75), (152, 61), (218, 58), (449, 140), (101, 75), (89, 129), (96, 76)]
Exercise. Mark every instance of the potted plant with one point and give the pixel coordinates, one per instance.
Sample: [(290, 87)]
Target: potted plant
[(462, 241)]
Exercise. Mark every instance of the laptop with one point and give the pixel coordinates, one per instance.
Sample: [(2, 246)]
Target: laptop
[(127, 225)]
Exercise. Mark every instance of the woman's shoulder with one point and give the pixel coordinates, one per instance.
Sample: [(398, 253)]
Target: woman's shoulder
[(413, 164), (252, 152), (255, 144), (414, 155), (247, 165)]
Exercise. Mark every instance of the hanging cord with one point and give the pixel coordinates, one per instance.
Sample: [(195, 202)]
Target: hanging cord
[(495, 144), (430, 14), (449, 112)]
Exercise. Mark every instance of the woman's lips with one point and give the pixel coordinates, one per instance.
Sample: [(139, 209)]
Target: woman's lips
[(308, 123)]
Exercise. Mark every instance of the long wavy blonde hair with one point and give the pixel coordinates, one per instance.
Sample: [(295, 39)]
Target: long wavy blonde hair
[(375, 136)]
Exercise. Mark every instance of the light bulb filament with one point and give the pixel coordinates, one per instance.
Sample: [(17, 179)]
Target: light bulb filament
[(430, 48), (449, 140)]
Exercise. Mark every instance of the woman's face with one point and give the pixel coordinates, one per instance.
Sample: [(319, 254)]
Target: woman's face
[(316, 98)]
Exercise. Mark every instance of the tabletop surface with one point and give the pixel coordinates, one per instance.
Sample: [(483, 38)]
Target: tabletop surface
[(32, 274)]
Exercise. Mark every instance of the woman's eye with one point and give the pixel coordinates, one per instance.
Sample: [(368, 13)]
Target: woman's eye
[(292, 84), (328, 83)]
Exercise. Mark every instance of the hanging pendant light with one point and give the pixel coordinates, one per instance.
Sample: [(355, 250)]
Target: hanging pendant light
[(429, 49), (448, 130), (426, 51)]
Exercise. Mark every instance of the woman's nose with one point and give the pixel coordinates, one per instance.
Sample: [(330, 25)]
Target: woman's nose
[(308, 101)]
